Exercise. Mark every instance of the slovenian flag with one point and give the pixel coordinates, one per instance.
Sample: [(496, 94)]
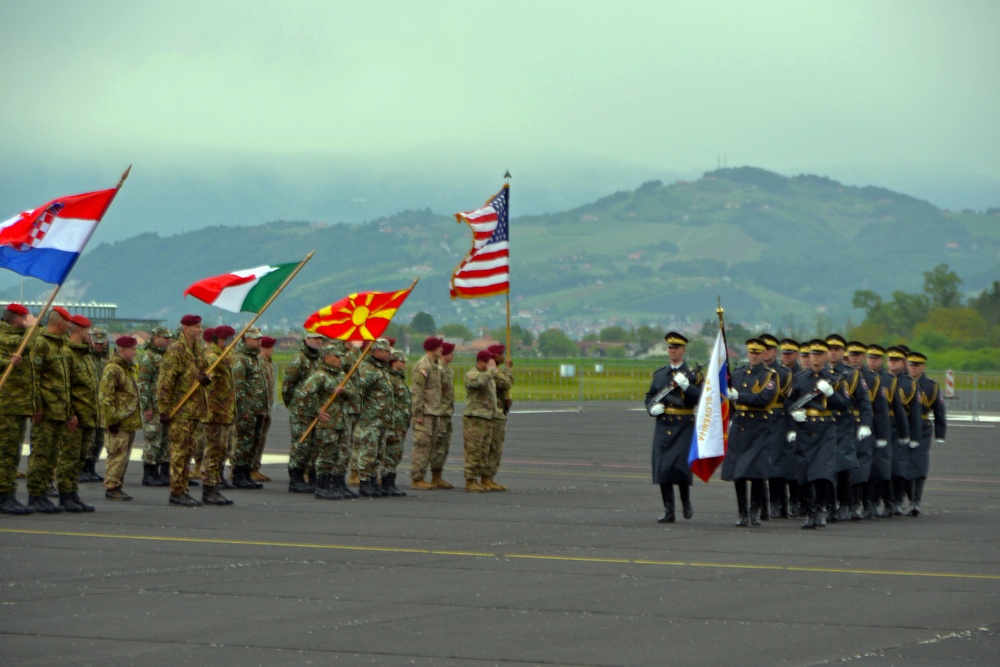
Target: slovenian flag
[(45, 243), (711, 424), (244, 291)]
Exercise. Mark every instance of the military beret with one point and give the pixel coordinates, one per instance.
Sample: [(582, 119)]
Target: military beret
[(484, 355), (162, 331), (80, 321), (99, 335), (836, 340), (17, 309), (856, 347), (125, 341), (755, 345), (208, 334), (915, 357), (447, 348), (896, 352), (496, 350), (191, 320), (674, 338), (392, 341), (788, 345), (768, 340), (224, 331), (63, 313), (398, 355), (432, 343), (876, 351), (267, 341), (253, 333)]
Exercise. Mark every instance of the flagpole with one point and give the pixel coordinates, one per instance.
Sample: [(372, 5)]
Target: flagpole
[(236, 339), (722, 327), (34, 327)]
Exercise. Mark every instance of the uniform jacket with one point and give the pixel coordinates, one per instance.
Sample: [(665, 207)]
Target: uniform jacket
[(481, 393), (897, 410), (149, 375), (504, 380), (119, 395), (932, 404), (182, 365), (316, 391), (401, 394), (19, 395), (377, 398), (83, 383), (221, 393), (426, 394), (49, 359), (250, 377), (447, 390), (301, 367)]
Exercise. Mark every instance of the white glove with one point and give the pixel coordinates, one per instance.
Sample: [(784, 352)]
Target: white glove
[(939, 441), (904, 441), (733, 394), (864, 432), (681, 381), (798, 415), (656, 410), (790, 437), (825, 387), (879, 444), (914, 444)]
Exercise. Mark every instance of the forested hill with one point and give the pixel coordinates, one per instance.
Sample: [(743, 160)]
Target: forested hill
[(773, 247)]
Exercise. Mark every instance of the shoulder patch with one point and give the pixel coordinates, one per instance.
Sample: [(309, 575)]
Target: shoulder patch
[(423, 371), (770, 385)]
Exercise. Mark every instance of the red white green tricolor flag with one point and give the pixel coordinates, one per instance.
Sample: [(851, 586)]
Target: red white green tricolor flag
[(243, 291)]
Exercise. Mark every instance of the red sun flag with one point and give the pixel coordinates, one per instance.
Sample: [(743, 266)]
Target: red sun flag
[(361, 316)]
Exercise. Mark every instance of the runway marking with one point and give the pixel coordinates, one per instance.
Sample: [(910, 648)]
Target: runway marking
[(511, 556)]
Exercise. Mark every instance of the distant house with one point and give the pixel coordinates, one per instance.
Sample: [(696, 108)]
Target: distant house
[(598, 349)]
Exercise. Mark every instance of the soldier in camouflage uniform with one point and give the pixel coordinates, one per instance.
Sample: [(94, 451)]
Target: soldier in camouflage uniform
[(401, 424), (439, 455), (301, 454), (53, 419), (221, 398), (498, 432), (183, 367), (353, 408), (100, 352), (426, 409), (17, 404), (332, 438), (376, 418), (250, 378), (266, 353), (119, 414), (477, 420), (83, 403), (155, 458)]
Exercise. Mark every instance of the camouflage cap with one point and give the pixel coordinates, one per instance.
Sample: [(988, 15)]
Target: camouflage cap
[(253, 333), (381, 344), (314, 334), (398, 355), (162, 331), (99, 335), (334, 347)]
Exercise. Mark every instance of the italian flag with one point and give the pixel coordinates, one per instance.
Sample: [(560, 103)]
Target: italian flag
[(244, 291)]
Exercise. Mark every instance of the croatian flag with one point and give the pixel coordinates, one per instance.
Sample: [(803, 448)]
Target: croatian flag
[(711, 424), (45, 243)]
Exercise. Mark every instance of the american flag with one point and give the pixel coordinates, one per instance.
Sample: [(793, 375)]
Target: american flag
[(486, 269)]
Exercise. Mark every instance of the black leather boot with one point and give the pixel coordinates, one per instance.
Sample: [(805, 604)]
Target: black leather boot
[(755, 515), (918, 492), (9, 504), (296, 484), (210, 496), (84, 506), (324, 488), (223, 482), (340, 481), (368, 488), (165, 472), (389, 484), (241, 479), (66, 502), (687, 507), (741, 503), (43, 505), (151, 477), (667, 495), (92, 472)]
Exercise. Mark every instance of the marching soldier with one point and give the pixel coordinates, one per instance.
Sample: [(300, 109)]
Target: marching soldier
[(333, 443), (397, 433), (155, 457), (498, 431), (753, 391), (220, 396), (426, 408), (101, 353), (252, 408), (853, 425), (83, 403), (183, 367), (120, 408), (782, 461), (477, 420), (302, 454), (912, 400), (933, 405), (880, 481), (672, 398), (861, 502), (376, 418), (18, 402), (267, 344)]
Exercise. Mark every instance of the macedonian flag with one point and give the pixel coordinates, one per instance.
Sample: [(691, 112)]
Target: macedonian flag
[(361, 316)]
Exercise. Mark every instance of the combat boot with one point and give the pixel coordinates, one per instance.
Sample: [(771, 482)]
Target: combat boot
[(52, 491), (165, 472), (810, 522), (92, 471), (438, 482), (150, 476), (368, 488), (9, 504), (755, 517), (340, 483), (296, 483), (488, 483), (84, 473), (241, 480), (43, 505), (668, 514), (183, 500), (472, 485), (66, 502), (224, 483), (117, 494), (324, 488), (84, 506), (258, 476), (421, 485), (389, 486), (210, 496)]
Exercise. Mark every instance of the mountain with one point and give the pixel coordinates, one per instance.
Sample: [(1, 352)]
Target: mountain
[(775, 249)]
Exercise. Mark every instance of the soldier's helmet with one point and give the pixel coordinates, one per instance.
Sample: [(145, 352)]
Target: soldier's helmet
[(99, 335)]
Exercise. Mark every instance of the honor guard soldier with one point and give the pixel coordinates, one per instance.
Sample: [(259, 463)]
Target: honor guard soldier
[(443, 444), (933, 406), (333, 441), (672, 398), (861, 503), (498, 432), (910, 397), (753, 391), (880, 480), (477, 420), (17, 404), (790, 355), (782, 464), (793, 354), (853, 425), (101, 352), (83, 402), (120, 408), (426, 409)]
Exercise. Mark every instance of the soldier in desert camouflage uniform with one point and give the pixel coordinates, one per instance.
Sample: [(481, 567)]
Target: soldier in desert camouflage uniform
[(119, 414), (267, 344), (252, 407), (100, 352), (155, 458), (17, 404), (477, 420), (397, 433), (183, 367), (498, 433), (426, 409), (221, 398), (439, 454), (83, 403), (333, 449), (301, 454), (376, 418)]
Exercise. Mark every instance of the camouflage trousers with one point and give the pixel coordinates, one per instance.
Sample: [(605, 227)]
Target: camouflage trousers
[(498, 436), (333, 451), (369, 449), (425, 436), (441, 446), (13, 428), (199, 445), (119, 450), (302, 455), (217, 439), (96, 445), (248, 434), (258, 447), (154, 448), (182, 434), (48, 437), (393, 451), (476, 432), (72, 456)]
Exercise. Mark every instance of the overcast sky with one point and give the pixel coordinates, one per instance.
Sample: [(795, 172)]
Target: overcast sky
[(668, 85)]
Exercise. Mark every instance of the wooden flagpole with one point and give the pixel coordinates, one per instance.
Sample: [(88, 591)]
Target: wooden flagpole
[(236, 339)]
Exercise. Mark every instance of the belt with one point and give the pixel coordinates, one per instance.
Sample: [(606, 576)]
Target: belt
[(925, 417), (743, 408), (819, 413), (857, 413), (677, 411)]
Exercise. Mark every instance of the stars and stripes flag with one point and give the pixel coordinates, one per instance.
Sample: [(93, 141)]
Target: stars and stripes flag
[(711, 424), (485, 271)]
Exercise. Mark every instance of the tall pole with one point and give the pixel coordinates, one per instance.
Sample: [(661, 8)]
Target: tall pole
[(237, 338), (722, 327)]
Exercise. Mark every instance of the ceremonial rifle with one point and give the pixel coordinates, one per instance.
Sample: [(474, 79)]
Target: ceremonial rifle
[(804, 399)]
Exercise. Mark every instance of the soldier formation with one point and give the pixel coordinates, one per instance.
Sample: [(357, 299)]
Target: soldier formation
[(198, 406), (828, 439)]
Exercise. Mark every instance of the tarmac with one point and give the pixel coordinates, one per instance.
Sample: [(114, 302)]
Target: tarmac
[(569, 567)]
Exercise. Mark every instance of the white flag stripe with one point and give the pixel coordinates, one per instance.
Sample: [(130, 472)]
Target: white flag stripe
[(232, 298), (482, 282), (67, 234), (708, 420)]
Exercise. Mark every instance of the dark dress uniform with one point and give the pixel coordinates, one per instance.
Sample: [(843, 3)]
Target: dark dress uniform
[(902, 471), (899, 430), (920, 457), (859, 413), (750, 438), (673, 434), (861, 502), (782, 461)]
